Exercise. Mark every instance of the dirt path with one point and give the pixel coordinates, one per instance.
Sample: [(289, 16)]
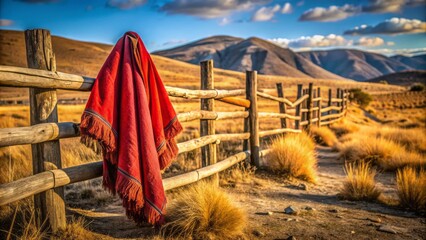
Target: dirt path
[(321, 215)]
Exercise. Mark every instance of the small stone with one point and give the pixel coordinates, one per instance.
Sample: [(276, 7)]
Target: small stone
[(289, 219), (338, 216), (264, 213), (333, 210), (258, 233), (352, 232), (310, 208), (376, 220), (291, 238), (303, 186), (291, 210), (387, 229)]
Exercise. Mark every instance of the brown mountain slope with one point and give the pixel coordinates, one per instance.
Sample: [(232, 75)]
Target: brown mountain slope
[(406, 78), (249, 54), (355, 64)]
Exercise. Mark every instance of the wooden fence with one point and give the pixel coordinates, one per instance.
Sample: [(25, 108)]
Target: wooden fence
[(48, 179)]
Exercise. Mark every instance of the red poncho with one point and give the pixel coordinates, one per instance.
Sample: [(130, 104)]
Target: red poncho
[(130, 116)]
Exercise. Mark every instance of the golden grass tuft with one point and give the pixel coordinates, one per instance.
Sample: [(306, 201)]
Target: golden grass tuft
[(411, 188), (380, 151), (360, 183), (241, 173), (324, 136), (293, 154), (344, 127), (203, 211)]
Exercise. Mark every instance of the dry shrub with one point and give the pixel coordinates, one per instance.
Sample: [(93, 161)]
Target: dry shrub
[(359, 184), (380, 151), (412, 139), (203, 211), (324, 136), (293, 154), (411, 188), (77, 229), (344, 127), (241, 173)]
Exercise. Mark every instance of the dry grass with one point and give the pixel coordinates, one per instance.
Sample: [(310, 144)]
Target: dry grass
[(203, 211), (324, 136), (241, 173), (360, 183), (344, 127), (412, 139), (293, 154), (381, 151), (411, 186)]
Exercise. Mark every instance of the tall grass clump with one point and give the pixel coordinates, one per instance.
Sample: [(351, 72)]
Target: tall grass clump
[(381, 152), (360, 183), (344, 127), (203, 211), (411, 188), (293, 154), (324, 136)]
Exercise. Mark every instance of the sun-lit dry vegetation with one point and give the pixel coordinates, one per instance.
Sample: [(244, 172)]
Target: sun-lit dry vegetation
[(204, 211), (344, 127), (411, 186), (324, 136), (360, 183), (294, 155), (382, 152)]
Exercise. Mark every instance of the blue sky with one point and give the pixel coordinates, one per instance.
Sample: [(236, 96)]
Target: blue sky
[(385, 26)]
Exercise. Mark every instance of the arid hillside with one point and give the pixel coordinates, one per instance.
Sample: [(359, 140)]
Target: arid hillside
[(406, 78)]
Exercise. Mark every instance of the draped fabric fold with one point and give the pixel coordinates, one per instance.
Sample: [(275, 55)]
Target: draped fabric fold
[(130, 118)]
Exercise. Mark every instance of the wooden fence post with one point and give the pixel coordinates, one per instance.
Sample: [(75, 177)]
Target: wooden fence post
[(319, 103), (282, 106), (314, 104), (338, 97), (251, 94), (309, 106), (298, 107), (342, 96), (208, 127), (49, 205)]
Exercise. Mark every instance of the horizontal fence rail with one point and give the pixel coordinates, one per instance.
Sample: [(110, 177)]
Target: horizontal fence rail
[(26, 187), (307, 109)]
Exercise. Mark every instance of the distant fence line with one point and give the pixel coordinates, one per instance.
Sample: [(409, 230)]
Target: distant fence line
[(45, 130)]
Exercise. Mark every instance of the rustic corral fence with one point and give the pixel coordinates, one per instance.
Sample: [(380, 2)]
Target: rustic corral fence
[(45, 131)]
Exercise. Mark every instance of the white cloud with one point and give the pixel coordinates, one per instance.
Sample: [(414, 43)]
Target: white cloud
[(265, 13), (331, 40), (209, 8), (225, 21), (313, 41), (287, 8), (370, 42), (391, 26), (125, 4), (403, 51), (384, 6), (174, 42), (330, 14), (5, 22)]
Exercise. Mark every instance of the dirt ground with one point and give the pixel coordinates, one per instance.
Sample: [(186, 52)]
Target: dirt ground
[(321, 215)]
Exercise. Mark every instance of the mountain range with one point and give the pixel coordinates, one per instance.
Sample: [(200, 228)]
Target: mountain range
[(268, 58)]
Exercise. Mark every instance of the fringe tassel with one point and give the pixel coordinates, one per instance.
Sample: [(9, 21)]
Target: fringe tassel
[(133, 201), (170, 150), (97, 135)]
